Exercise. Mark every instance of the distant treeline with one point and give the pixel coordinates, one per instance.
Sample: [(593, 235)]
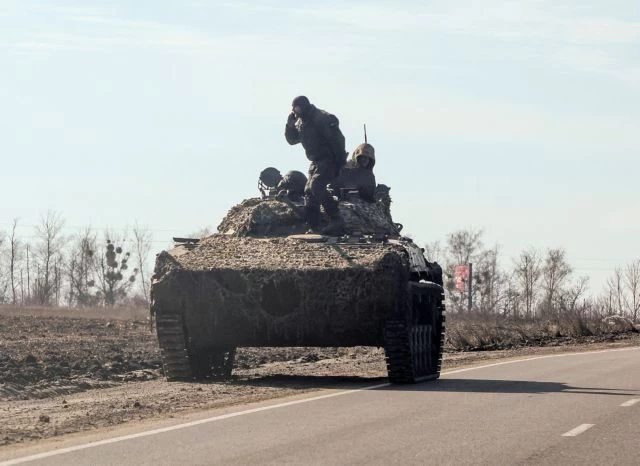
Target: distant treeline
[(87, 270), (79, 270), (537, 284)]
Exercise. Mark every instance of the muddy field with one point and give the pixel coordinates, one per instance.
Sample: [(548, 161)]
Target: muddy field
[(68, 371)]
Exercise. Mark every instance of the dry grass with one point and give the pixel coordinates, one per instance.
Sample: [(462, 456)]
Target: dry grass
[(107, 313), (465, 332), (474, 332)]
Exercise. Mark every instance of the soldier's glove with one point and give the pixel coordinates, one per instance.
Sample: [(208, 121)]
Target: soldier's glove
[(291, 120)]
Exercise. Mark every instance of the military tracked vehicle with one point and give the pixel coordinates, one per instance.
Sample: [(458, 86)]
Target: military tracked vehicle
[(261, 281)]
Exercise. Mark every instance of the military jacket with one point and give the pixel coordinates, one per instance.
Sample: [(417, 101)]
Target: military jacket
[(320, 135)]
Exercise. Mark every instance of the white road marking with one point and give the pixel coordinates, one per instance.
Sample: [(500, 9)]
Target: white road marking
[(548, 356), (578, 430), (626, 404), (181, 426), (148, 433)]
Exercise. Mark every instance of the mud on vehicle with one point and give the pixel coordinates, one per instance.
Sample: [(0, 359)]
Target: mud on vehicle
[(260, 281)]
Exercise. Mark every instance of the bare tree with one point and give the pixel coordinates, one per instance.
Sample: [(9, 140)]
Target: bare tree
[(571, 297), (111, 267), (464, 245), (512, 298), (555, 272), (142, 238), (4, 283), (21, 287), (57, 280), (632, 282), (14, 248), (49, 251), (434, 251), (615, 287), (527, 274), (605, 305), (490, 283), (28, 276), (81, 268)]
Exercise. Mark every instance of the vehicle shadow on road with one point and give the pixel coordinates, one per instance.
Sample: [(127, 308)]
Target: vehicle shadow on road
[(506, 386), (302, 382)]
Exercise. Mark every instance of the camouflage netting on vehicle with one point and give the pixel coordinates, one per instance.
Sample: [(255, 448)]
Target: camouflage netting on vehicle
[(273, 217), (261, 217), (224, 251), (274, 291), (368, 218)]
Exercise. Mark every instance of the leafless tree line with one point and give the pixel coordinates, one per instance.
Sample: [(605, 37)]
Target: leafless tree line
[(623, 292), (81, 270), (537, 283)]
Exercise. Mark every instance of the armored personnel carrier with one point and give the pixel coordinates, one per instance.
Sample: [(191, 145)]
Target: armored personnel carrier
[(262, 282)]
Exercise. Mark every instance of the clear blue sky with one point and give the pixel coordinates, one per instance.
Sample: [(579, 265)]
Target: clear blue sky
[(518, 117)]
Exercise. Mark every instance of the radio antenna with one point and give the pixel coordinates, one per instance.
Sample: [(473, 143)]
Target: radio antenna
[(365, 133)]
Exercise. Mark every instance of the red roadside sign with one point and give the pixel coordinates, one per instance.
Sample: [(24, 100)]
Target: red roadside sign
[(461, 277)]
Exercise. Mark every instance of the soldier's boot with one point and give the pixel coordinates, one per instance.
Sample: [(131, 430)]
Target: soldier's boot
[(312, 217), (336, 225)]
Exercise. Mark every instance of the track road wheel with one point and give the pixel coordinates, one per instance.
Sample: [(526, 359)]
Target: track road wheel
[(173, 347), (182, 362), (413, 346)]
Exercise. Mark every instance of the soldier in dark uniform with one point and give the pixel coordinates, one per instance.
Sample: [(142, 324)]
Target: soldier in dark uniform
[(358, 174), (319, 133)]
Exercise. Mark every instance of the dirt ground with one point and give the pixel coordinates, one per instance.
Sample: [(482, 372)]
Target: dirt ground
[(69, 371)]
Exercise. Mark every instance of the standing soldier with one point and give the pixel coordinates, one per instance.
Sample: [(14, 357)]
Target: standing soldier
[(324, 145)]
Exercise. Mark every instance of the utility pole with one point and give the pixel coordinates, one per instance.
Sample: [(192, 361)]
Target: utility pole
[(470, 283)]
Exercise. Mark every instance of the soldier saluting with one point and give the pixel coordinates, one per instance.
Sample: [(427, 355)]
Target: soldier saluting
[(319, 133)]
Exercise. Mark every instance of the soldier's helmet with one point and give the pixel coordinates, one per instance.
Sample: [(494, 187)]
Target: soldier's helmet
[(294, 181), (364, 150), (269, 178)]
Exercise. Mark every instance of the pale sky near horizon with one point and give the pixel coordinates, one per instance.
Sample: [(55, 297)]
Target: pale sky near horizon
[(519, 117)]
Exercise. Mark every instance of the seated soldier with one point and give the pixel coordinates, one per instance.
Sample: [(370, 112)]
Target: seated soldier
[(292, 186), (358, 174)]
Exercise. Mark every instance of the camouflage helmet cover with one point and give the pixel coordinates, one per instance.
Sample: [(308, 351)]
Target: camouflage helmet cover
[(294, 181), (364, 150), (270, 177)]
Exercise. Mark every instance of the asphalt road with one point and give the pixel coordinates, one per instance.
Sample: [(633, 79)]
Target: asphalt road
[(566, 409)]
